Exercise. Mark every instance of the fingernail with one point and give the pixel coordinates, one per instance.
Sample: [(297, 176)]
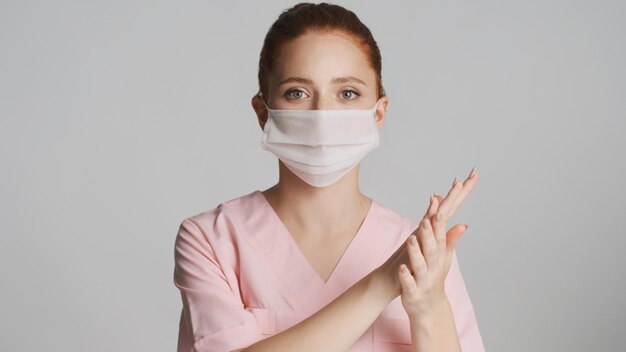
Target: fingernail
[(455, 181), (413, 240), (466, 227), (431, 198), (473, 172)]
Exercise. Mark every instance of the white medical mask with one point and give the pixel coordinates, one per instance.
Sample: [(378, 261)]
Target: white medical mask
[(320, 146)]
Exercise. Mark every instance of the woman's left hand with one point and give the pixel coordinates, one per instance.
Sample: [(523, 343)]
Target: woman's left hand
[(430, 250)]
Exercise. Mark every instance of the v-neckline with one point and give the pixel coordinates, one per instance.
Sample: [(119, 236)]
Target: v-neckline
[(300, 255)]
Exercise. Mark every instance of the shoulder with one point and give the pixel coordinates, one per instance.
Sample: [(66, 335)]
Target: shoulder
[(219, 222), (390, 216), (394, 223)]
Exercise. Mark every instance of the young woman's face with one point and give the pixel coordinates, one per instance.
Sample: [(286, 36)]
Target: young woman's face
[(322, 71)]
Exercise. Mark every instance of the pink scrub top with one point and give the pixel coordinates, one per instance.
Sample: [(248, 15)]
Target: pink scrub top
[(242, 278)]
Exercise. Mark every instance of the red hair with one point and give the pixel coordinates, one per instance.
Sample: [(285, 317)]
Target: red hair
[(323, 17)]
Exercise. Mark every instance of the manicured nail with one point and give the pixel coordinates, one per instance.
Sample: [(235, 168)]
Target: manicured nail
[(473, 172)]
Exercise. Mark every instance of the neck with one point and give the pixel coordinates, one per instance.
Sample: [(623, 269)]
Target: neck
[(318, 210)]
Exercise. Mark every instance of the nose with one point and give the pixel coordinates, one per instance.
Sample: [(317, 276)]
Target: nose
[(323, 104)]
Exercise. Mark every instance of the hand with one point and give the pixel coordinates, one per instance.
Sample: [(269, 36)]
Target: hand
[(427, 263)]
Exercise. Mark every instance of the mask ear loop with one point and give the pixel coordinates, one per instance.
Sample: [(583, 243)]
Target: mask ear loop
[(260, 95), (373, 110)]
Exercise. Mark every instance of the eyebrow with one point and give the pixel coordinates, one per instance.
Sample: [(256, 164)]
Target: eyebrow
[(334, 80)]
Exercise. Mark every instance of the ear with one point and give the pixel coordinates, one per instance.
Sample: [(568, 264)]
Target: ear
[(381, 109), (259, 109)]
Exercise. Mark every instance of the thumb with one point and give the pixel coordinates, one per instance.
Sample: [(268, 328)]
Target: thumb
[(452, 237)]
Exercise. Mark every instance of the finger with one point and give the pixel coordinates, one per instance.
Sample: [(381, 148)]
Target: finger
[(468, 185), (430, 214), (446, 203), (432, 208), (439, 198), (417, 262), (439, 232), (406, 280), (456, 195), (427, 242), (436, 225), (439, 226), (452, 237)]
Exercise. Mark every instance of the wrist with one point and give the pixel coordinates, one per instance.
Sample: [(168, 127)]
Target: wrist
[(382, 285), (437, 310)]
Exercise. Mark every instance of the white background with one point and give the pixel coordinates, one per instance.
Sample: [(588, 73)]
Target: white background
[(118, 119)]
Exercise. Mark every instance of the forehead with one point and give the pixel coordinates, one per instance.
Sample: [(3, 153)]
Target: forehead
[(321, 56)]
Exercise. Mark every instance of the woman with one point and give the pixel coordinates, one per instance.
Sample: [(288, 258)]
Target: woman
[(312, 264)]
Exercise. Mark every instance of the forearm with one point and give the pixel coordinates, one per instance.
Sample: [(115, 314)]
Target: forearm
[(435, 331), (339, 324)]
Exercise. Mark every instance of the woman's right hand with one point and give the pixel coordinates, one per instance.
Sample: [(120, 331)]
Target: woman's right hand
[(434, 250)]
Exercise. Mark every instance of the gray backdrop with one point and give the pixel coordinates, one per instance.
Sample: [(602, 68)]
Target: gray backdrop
[(121, 118)]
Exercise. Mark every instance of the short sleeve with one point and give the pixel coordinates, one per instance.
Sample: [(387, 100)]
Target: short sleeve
[(213, 317), (463, 310)]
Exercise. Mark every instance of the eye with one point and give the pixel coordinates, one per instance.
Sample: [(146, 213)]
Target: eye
[(352, 93), (299, 94)]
